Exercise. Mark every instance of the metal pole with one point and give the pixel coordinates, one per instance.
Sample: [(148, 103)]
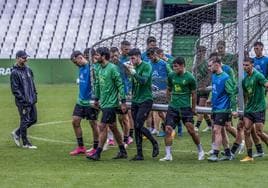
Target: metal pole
[(240, 45)]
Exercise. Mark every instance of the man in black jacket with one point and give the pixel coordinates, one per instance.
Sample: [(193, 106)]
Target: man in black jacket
[(23, 88)]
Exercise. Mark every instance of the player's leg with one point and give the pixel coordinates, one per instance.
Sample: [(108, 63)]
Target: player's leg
[(92, 117), (107, 118), (118, 137), (142, 115), (138, 134), (239, 142), (172, 118), (78, 114), (187, 119), (217, 129), (131, 127), (230, 129), (124, 122), (248, 140)]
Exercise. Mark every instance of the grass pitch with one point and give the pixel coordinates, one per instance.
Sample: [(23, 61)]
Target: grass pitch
[(51, 166)]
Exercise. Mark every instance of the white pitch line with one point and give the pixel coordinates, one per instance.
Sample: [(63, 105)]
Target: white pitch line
[(52, 123), (51, 140), (69, 142)]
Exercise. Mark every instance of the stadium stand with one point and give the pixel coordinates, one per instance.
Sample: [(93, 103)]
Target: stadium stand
[(54, 28)]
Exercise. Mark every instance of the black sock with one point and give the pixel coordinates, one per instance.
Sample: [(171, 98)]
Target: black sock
[(259, 148), (99, 150), (227, 152), (95, 144), (208, 122), (198, 123), (234, 148), (216, 152), (122, 149), (250, 152), (131, 133), (125, 139), (80, 141), (163, 127)]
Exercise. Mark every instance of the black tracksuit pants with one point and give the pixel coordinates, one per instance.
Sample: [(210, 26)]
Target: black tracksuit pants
[(28, 117), (140, 113)]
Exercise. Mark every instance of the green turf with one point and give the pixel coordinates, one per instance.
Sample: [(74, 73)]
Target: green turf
[(51, 166)]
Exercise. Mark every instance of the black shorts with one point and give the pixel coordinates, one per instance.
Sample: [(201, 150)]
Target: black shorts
[(108, 115), (85, 112), (119, 111), (174, 116), (256, 117), (221, 118)]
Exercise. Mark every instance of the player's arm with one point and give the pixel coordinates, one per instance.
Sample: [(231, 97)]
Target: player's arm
[(97, 89), (194, 99), (230, 88), (144, 77), (33, 81), (169, 87), (15, 88), (193, 87), (119, 84), (262, 80)]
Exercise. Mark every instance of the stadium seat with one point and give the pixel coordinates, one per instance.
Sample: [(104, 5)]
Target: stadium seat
[(53, 25)]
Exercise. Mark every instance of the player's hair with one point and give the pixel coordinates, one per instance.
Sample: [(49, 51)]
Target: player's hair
[(150, 39), (75, 54), (134, 51), (93, 51), (125, 43), (150, 51), (213, 55), (258, 43), (179, 61), (114, 49), (248, 59), (201, 48), (87, 51), (159, 51), (104, 51), (221, 42), (216, 60)]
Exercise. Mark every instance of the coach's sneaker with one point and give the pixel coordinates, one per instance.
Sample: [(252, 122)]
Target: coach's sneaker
[(247, 159), (121, 155), (255, 155), (206, 129), (29, 146), (16, 138), (78, 150), (213, 158), (91, 152), (201, 155), (166, 158)]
